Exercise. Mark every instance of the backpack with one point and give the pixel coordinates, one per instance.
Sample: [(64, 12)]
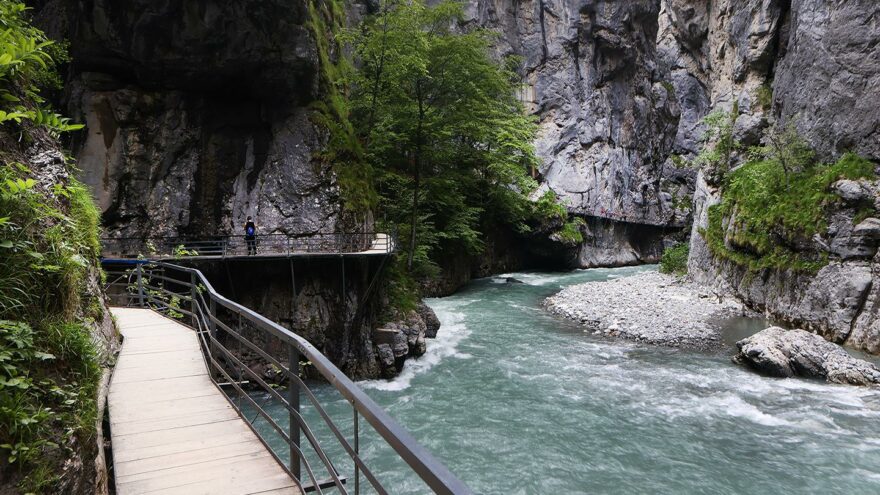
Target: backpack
[(250, 230)]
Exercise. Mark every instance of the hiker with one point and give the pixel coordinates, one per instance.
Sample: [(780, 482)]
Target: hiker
[(250, 236)]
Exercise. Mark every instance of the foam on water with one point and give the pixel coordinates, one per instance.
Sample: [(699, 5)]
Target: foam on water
[(453, 330), (513, 400)]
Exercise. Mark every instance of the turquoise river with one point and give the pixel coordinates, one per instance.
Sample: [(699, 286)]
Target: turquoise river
[(516, 401)]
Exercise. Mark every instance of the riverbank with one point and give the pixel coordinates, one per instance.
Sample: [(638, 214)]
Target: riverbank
[(648, 307)]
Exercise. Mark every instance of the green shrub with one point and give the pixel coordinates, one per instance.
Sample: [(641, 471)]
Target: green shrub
[(773, 211), (49, 248), (764, 96), (674, 259)]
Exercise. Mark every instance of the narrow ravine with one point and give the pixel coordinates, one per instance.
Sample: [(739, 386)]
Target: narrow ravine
[(514, 400)]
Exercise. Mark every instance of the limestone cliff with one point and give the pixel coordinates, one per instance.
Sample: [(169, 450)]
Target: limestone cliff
[(197, 115), (608, 116), (818, 64), (198, 112), (620, 90)]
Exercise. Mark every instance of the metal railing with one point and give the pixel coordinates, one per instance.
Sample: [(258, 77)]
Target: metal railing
[(227, 331), (237, 245)]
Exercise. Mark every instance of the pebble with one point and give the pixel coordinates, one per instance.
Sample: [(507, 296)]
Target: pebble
[(657, 309)]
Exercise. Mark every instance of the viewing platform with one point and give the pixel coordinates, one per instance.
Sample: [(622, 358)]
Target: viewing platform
[(265, 246)]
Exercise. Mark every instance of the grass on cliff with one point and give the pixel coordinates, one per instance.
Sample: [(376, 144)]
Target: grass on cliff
[(766, 211), (343, 150), (49, 365)]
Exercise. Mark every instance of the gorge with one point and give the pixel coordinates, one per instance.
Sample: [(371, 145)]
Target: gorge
[(596, 137)]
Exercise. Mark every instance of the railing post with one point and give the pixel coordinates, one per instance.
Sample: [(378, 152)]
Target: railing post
[(212, 335), (140, 282), (293, 400), (192, 303), (357, 451)]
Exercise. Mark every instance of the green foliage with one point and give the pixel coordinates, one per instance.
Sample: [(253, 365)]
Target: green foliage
[(449, 141), (26, 66), (49, 368), (679, 161), (674, 259), (766, 212), (401, 290), (180, 251), (719, 145), (343, 150), (547, 210), (47, 359), (764, 96)]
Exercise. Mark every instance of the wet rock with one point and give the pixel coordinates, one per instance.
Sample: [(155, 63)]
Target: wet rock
[(868, 228), (850, 242), (386, 360), (787, 353), (394, 338), (432, 323), (511, 280), (406, 337)]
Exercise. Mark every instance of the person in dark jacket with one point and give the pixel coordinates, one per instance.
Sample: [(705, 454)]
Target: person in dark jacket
[(250, 236)]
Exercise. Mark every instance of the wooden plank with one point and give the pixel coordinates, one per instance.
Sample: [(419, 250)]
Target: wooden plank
[(172, 429)]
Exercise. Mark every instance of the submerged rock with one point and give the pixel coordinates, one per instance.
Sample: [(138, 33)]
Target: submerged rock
[(511, 280), (786, 353)]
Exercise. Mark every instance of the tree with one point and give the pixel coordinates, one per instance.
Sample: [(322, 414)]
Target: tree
[(783, 145), (719, 145), (441, 124)]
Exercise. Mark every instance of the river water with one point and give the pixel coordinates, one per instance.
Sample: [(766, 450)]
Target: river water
[(516, 401)]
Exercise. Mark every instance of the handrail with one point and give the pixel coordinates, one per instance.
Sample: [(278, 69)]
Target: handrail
[(203, 306), (222, 246)]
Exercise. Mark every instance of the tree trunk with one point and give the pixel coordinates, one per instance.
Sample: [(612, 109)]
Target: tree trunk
[(380, 68), (417, 178)]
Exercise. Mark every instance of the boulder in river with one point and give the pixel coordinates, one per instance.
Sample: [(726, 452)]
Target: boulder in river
[(511, 280), (775, 351), (432, 323)]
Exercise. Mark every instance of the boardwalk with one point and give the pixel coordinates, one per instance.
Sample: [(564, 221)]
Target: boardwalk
[(235, 247), (172, 430)]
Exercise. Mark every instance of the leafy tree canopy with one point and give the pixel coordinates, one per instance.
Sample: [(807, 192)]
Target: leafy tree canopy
[(443, 128)]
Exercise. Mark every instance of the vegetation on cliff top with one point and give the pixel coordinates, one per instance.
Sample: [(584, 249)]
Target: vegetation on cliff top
[(776, 202), (49, 365), (446, 136)]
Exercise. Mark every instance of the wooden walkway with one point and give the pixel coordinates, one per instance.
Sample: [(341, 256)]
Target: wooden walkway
[(172, 429)]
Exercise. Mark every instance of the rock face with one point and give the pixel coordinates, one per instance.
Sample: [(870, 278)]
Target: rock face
[(838, 302), (828, 82), (608, 117), (398, 340), (620, 89), (813, 64), (786, 353), (197, 115)]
